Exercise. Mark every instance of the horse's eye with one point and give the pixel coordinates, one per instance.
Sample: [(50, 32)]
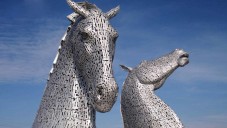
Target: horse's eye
[(84, 35)]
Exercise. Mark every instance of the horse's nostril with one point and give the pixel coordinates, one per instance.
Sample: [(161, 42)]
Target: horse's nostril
[(184, 55)]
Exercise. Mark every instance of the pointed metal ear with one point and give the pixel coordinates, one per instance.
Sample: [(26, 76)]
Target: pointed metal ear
[(129, 69), (73, 17), (77, 8), (113, 12)]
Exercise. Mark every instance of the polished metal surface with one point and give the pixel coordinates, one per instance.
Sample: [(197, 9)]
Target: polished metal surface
[(81, 81), (140, 107)]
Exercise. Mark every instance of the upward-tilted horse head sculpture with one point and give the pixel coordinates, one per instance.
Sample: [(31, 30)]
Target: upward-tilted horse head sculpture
[(81, 81), (140, 107)]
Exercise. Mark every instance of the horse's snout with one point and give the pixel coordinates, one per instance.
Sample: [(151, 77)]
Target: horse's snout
[(183, 57)]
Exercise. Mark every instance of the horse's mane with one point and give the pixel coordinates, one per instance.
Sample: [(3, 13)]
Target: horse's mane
[(74, 18)]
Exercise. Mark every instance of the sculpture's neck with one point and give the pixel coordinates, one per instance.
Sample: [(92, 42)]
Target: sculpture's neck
[(162, 112), (158, 110), (84, 113), (65, 102)]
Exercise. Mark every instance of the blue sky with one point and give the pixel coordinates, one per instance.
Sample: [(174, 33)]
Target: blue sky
[(30, 31)]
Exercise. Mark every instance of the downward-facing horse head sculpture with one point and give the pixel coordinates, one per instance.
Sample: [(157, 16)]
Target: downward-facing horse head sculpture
[(81, 81), (140, 107)]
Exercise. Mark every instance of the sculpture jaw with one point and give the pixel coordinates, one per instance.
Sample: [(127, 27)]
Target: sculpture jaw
[(105, 96), (103, 87)]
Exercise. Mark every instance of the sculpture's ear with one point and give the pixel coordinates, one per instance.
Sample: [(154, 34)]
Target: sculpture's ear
[(113, 12), (78, 9), (129, 69), (73, 17)]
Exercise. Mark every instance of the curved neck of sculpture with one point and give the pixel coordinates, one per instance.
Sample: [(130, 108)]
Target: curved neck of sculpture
[(142, 108), (159, 110)]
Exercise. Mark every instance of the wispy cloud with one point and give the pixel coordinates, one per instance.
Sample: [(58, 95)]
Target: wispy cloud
[(210, 121), (28, 55), (194, 73)]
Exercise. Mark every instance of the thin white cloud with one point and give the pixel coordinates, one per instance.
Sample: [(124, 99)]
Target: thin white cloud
[(29, 58), (194, 73), (221, 118), (210, 121)]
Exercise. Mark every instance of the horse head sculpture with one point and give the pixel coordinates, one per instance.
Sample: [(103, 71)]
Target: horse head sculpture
[(94, 45), (81, 81), (156, 72), (140, 107)]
